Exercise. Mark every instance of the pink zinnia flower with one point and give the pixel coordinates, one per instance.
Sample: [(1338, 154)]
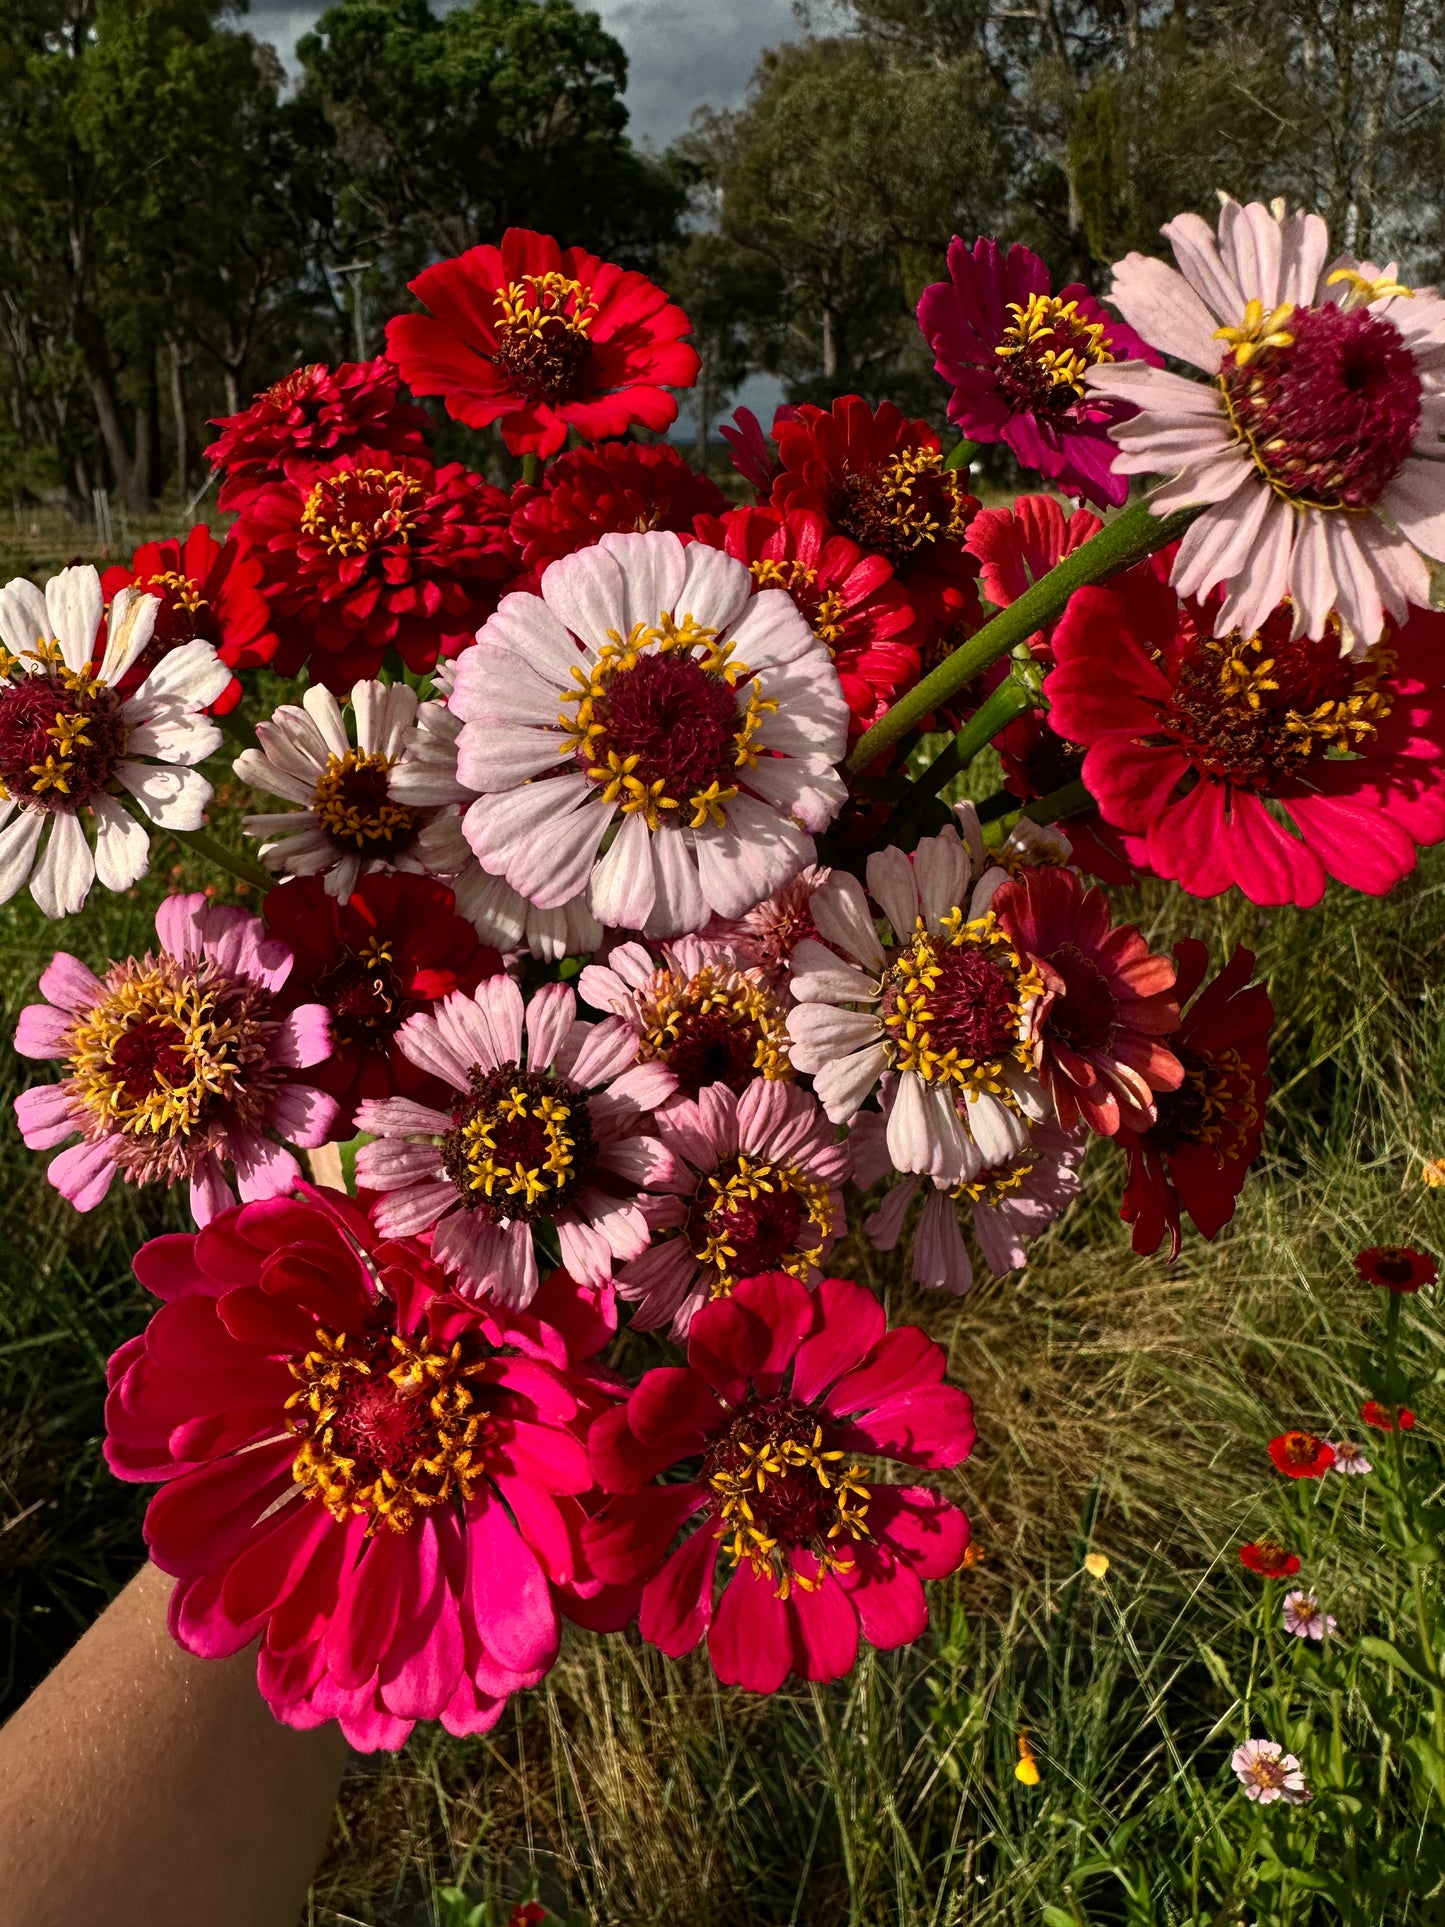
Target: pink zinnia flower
[(1305, 1617), (1267, 1772), (558, 1140), (371, 1474), (755, 1187), (784, 1391), (177, 1064), (1017, 356), (1351, 1459), (766, 937), (1316, 442)]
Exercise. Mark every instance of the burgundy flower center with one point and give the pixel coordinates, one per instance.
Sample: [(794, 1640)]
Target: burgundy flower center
[(148, 1057), (1301, 1448), (1394, 1264), (1085, 1014), (1046, 351), (61, 736), (520, 1144), (1329, 406), (355, 809), (716, 1027), (902, 507), (822, 608), (780, 1486), (953, 1004), (544, 337), (1216, 1105), (356, 511), (366, 1003), (1263, 1771), (1271, 1558), (751, 1215)]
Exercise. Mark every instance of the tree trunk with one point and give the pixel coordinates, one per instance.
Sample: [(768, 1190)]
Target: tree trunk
[(233, 391), (178, 419), (830, 346)]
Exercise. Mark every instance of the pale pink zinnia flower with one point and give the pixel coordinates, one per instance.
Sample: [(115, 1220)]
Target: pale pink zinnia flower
[(766, 937), (556, 1139), (648, 691), (177, 1064), (1317, 441), (1350, 1459), (1267, 1773), (1305, 1617)]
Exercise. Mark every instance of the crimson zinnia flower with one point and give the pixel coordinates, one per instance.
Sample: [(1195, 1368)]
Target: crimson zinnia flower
[(1398, 1268), (1379, 1417), (1269, 1559), (543, 339), (1198, 744), (313, 415), (359, 1467), (374, 553), (208, 591), (1206, 1133), (785, 1390), (1301, 1455), (1109, 1001), (396, 947), (621, 488)]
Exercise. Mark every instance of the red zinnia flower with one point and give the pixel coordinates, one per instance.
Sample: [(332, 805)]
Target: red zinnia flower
[(1109, 1004), (373, 553), (543, 339), (1017, 546), (1398, 1268), (1207, 1133), (1195, 741), (396, 947), (1269, 1559), (209, 591), (850, 600), (314, 415), (753, 456), (1301, 1455), (620, 488), (1377, 1415), (784, 1390), (368, 1472)]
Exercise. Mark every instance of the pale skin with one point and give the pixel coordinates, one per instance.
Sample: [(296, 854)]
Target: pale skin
[(142, 1787)]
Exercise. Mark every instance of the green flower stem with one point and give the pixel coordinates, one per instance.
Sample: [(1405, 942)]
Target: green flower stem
[(531, 470), (205, 845), (1007, 702), (1071, 800), (961, 454), (1126, 540)]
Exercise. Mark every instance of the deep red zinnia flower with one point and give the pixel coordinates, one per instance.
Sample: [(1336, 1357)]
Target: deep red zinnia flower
[(1269, 1559), (1382, 1419), (543, 339), (396, 947), (1109, 1001), (620, 488), (374, 553), (313, 415), (367, 1472), (209, 591), (1265, 760), (1301, 1455), (1207, 1132), (1397, 1268), (784, 1392), (851, 600)]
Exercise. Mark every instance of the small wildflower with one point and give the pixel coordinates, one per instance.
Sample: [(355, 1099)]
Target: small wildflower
[(1269, 1559), (1350, 1458), (1096, 1564), (1301, 1455), (1397, 1268), (1305, 1618), (1267, 1773), (973, 1556), (1432, 1173), (1381, 1418), (1027, 1770)]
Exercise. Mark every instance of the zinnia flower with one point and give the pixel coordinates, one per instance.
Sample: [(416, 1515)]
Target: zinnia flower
[(1197, 745), (1267, 1773), (1350, 1459), (1269, 1559), (1301, 1455), (350, 822), (648, 689), (949, 1008), (785, 1390), (1304, 1617), (70, 740), (1396, 1268), (1016, 356), (620, 488), (1316, 442), (543, 339), (313, 416), (397, 946), (177, 1064), (558, 1142), (368, 1472), (208, 591), (1382, 1418), (1018, 545), (755, 1187), (1206, 1133), (765, 937), (1110, 1001)]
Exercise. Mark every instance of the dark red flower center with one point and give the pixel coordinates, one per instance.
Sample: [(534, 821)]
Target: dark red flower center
[(751, 1215), (354, 512), (1300, 1448), (520, 1145), (953, 1004), (1216, 1105), (150, 1055), (61, 737), (902, 507), (1085, 1015), (711, 1047), (1269, 1557), (366, 1003), (781, 1486), (718, 1026), (354, 807), (1331, 413), (543, 340), (1046, 351)]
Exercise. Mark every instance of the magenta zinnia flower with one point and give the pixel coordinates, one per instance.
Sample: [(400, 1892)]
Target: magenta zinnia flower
[(784, 1391), (177, 1064), (1017, 356), (366, 1471)]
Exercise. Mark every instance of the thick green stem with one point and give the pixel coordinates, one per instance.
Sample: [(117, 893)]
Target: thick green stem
[(961, 454), (1123, 542), (1071, 800), (531, 470), (1005, 705)]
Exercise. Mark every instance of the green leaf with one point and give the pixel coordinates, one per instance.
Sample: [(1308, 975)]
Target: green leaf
[(1414, 1664)]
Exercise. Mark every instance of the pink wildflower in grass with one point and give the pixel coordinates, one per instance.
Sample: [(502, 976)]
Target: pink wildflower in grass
[(784, 1392), (178, 1064), (1305, 1617), (1267, 1773), (1350, 1459)]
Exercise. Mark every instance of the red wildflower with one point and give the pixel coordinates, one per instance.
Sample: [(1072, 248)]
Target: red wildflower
[(543, 339), (1207, 1133), (396, 947), (1269, 1559), (209, 591), (527, 1913), (1300, 1455), (850, 600), (1109, 1001), (371, 554), (1198, 745), (1398, 1268), (1379, 1416), (783, 1391), (313, 415), (1017, 546), (622, 487)]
